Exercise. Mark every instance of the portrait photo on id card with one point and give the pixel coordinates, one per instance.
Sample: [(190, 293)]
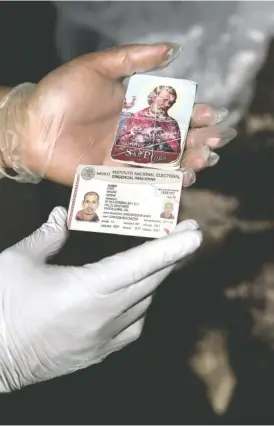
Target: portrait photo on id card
[(154, 121)]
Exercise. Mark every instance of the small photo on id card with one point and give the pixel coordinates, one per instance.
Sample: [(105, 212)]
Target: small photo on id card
[(125, 200), (154, 122)]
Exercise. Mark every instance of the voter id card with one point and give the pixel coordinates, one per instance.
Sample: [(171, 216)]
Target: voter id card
[(132, 201)]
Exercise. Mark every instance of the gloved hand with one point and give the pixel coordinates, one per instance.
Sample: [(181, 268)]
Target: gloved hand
[(70, 116), (56, 319)]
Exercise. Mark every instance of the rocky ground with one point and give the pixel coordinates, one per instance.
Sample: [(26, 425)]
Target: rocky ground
[(235, 210)]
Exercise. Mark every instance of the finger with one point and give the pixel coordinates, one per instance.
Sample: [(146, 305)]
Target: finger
[(47, 240), (189, 177), (146, 287), (129, 317), (124, 61), (134, 294), (127, 336), (123, 339), (206, 115), (136, 299), (214, 137), (124, 269), (196, 159), (139, 291)]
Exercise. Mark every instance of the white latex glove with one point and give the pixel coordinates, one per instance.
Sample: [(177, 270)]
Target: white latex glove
[(57, 319)]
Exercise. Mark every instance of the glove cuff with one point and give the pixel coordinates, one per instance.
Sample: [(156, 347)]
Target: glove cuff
[(12, 115)]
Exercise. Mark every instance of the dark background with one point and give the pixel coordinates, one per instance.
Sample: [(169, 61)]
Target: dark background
[(150, 381)]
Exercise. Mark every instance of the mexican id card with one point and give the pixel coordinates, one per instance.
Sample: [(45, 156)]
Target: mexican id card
[(127, 201)]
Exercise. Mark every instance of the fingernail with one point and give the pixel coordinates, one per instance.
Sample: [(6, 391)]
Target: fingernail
[(219, 115), (212, 159), (202, 156), (188, 224), (189, 177), (193, 224), (171, 55), (224, 137), (174, 51)]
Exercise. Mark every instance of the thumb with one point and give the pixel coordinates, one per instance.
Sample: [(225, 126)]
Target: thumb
[(125, 61), (48, 239)]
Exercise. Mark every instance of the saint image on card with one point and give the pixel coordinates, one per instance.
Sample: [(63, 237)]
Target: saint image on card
[(90, 205), (154, 120)]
